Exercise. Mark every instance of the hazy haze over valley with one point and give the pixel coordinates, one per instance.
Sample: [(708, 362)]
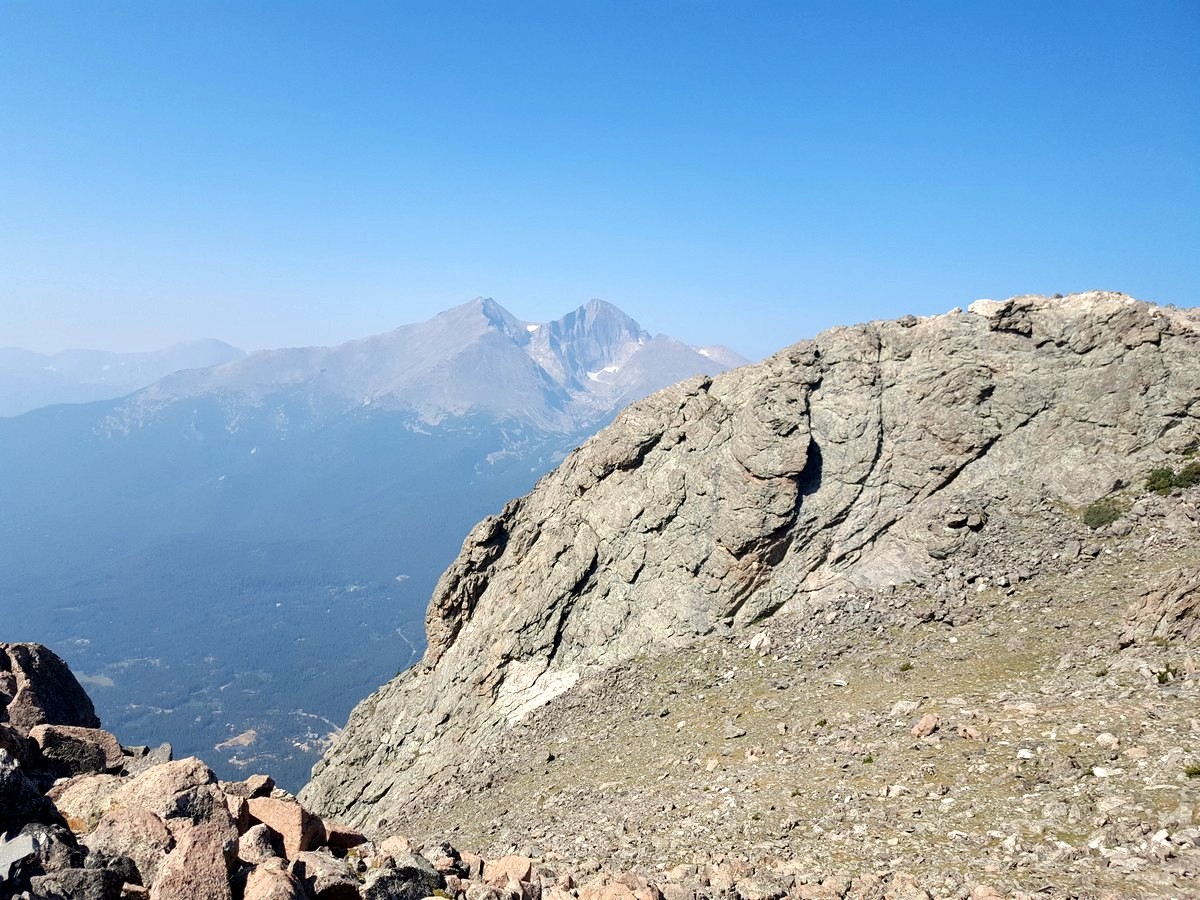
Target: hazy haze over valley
[(203, 548)]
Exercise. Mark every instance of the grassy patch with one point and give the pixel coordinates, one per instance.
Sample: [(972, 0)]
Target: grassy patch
[(1102, 512)]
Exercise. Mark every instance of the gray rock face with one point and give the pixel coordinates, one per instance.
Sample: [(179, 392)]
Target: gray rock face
[(324, 876), (68, 750), (16, 854), (1169, 612), (37, 688), (855, 461)]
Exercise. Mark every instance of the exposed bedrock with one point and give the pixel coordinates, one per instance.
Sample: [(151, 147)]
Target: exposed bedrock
[(844, 462)]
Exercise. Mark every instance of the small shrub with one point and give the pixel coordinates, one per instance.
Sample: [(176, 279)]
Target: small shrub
[(821, 723), (1164, 480), (1189, 475), (906, 667), (1101, 513), (1192, 770), (868, 760), (1161, 481)]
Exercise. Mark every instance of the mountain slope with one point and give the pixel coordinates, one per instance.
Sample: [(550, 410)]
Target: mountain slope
[(31, 380), (872, 459)]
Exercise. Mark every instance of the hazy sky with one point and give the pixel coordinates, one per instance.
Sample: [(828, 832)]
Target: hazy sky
[(746, 172)]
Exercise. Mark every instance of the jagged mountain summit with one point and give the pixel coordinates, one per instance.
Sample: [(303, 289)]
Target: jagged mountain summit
[(878, 479), (30, 380), (235, 527), (474, 359)]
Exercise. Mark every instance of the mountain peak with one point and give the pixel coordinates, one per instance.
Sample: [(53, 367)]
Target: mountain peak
[(596, 310), (476, 356), (596, 337), (480, 311), (597, 307)]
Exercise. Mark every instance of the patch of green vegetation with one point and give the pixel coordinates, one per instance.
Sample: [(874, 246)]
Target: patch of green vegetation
[(821, 723), (1164, 480), (1102, 512), (1161, 481), (1192, 770), (906, 667)]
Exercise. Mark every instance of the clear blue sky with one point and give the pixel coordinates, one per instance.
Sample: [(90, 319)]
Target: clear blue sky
[(745, 172)]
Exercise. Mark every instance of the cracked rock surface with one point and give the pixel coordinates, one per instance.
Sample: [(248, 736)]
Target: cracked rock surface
[(870, 458)]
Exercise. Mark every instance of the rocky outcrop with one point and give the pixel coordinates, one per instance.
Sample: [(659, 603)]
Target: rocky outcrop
[(842, 466), (37, 688), (1168, 612)]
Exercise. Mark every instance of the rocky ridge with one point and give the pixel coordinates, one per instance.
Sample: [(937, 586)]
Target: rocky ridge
[(865, 459), (878, 479), (1007, 733)]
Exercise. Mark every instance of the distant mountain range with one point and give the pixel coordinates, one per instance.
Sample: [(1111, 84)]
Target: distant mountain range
[(245, 549), (476, 358), (31, 380)]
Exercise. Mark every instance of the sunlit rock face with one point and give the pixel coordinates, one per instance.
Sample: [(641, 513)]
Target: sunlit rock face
[(855, 461)]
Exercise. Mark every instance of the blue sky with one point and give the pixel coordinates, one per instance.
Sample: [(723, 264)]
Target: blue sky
[(744, 172)]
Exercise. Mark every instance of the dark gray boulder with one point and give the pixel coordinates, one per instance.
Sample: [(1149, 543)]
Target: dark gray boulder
[(78, 884), (20, 800), (412, 877)]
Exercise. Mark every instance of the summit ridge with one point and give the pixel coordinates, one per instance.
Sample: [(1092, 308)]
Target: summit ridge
[(869, 490)]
